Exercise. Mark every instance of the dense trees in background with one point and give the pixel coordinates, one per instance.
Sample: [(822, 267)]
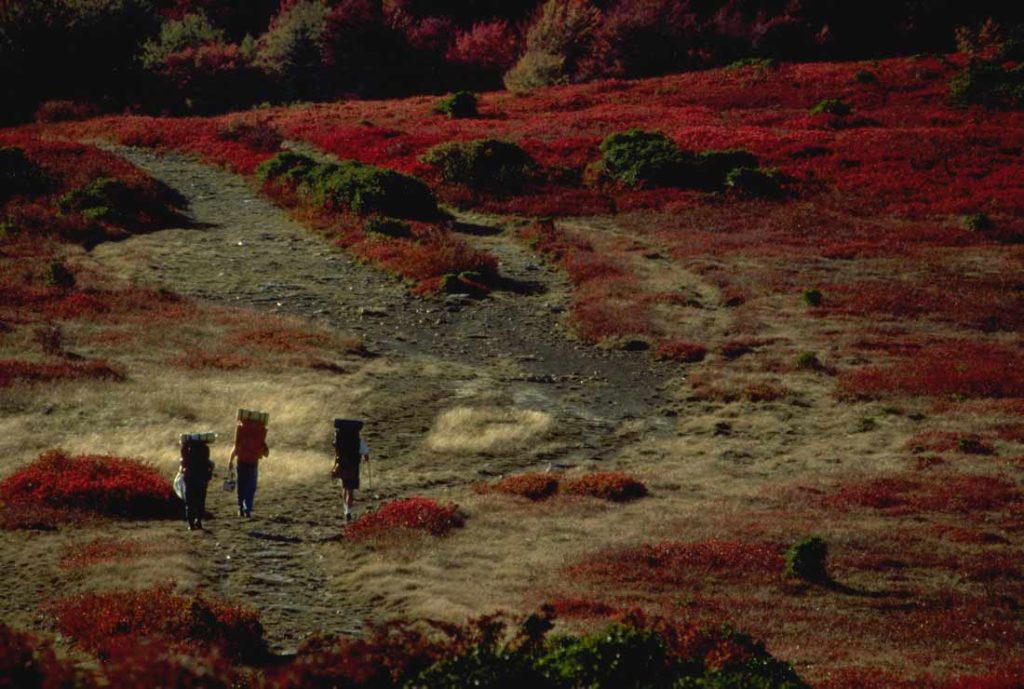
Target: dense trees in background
[(199, 56)]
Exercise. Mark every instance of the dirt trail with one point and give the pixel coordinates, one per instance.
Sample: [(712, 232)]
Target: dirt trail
[(242, 250)]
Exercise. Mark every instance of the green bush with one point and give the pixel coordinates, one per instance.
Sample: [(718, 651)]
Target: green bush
[(292, 49), (637, 157), (811, 297), (808, 361), (832, 106), (865, 77), (104, 199), (710, 169), (990, 85), (191, 31), (18, 175), (753, 62), (364, 189), (621, 657), (754, 182), (482, 164), (386, 227), (536, 69), (806, 560), (978, 222), (459, 105), (59, 275)]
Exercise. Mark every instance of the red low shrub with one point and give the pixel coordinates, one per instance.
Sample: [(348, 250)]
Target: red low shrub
[(98, 484), (581, 608), (14, 371), (967, 369), (279, 339), (678, 564), (29, 663), (611, 485), (64, 111), (946, 441), (81, 555), (133, 664), (199, 359), (907, 494), (105, 622), (683, 352), (411, 514), (531, 486)]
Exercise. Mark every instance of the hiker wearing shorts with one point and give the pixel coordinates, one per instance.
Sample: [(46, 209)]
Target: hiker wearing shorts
[(349, 450), (250, 445), (197, 469)]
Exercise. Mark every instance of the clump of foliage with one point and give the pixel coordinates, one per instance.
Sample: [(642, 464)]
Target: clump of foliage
[(104, 622), (754, 182), (864, 76), (978, 222), (65, 111), (608, 485), (531, 486), (811, 297), (806, 560), (637, 157), (98, 484), (808, 361), (416, 514), (482, 164), (59, 275), (27, 662), (104, 199), (832, 106), (191, 31), (256, 135), (459, 105), (18, 174), (558, 45), (681, 351), (711, 169), (292, 49), (361, 188), (753, 62), (990, 85)]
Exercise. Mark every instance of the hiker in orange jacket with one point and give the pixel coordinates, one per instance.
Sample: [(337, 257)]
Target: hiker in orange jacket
[(250, 446)]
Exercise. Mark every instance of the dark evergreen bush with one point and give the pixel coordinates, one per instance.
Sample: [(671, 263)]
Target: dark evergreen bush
[(638, 158), (710, 169), (754, 182), (386, 227), (18, 175), (459, 105), (806, 560), (990, 85), (482, 164), (832, 106)]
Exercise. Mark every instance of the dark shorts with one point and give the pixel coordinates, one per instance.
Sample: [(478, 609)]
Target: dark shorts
[(348, 473)]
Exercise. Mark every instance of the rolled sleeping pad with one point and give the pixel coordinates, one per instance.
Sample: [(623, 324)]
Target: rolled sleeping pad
[(252, 415), (203, 437)]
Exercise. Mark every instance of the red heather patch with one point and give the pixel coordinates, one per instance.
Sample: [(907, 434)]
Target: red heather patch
[(967, 369), (100, 484), (611, 485), (198, 359), (683, 352), (434, 255), (13, 371), (26, 661), (678, 564), (908, 494), (282, 339), (79, 556), (531, 486), (411, 514), (104, 622)]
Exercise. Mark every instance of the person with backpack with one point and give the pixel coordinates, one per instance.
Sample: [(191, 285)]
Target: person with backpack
[(197, 470), (349, 450), (250, 445)]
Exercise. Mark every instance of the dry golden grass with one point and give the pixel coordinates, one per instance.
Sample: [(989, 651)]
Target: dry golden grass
[(469, 430)]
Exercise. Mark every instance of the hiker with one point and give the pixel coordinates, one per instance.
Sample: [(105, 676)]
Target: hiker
[(250, 446), (197, 470), (349, 450)]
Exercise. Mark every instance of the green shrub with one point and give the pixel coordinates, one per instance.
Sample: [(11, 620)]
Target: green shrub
[(620, 657), (292, 49), (637, 157), (386, 227), (754, 182), (557, 45), (191, 31), (59, 275), (482, 164), (865, 77), (812, 297), (806, 560), (990, 85), (104, 199), (832, 106), (18, 174), (364, 189), (808, 361), (710, 169), (753, 62), (459, 105), (535, 69), (978, 222)]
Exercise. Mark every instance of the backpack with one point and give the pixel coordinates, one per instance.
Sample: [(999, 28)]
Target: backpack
[(346, 440)]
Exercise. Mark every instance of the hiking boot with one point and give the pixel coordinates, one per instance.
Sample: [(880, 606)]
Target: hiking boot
[(348, 516)]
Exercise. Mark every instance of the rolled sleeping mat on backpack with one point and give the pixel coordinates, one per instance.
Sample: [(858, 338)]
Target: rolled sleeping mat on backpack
[(252, 415), (203, 437)]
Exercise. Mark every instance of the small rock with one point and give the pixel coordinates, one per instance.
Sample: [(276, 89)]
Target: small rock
[(373, 311), (723, 428), (556, 308)]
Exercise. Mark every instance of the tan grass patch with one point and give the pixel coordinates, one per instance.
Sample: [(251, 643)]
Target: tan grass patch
[(469, 430)]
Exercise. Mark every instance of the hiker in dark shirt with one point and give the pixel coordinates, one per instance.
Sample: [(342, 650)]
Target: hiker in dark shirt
[(197, 470), (349, 451)]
